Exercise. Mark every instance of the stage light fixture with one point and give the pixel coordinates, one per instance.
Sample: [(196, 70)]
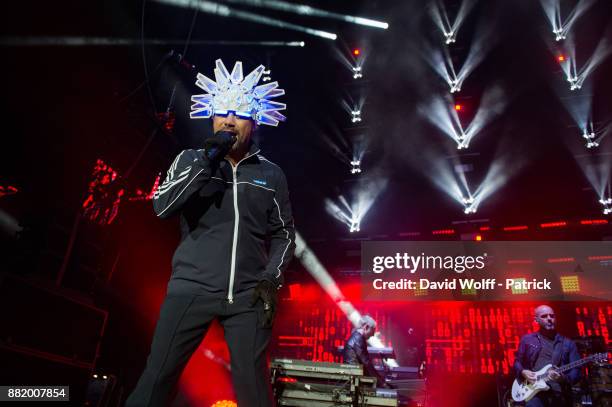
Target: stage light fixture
[(356, 52), (607, 205), (357, 72), (469, 200), (364, 195), (455, 86), (592, 144), (574, 81), (450, 37), (570, 284), (458, 107), (588, 135), (518, 290), (355, 224), (559, 34), (469, 209), (561, 58), (560, 28), (442, 21), (463, 144), (355, 116), (355, 167)]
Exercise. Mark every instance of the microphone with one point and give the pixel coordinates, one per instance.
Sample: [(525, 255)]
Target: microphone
[(217, 146)]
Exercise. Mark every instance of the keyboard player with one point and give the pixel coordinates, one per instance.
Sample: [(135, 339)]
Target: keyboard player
[(356, 348)]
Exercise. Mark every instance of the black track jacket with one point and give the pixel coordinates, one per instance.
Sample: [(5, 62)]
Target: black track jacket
[(226, 216)]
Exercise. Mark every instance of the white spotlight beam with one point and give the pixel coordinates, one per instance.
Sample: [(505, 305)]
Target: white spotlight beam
[(441, 114), (336, 143), (484, 39), (576, 77), (598, 170), (364, 196), (337, 212), (440, 17), (500, 171), (579, 107), (311, 263), (492, 104), (577, 11), (225, 11), (442, 64), (304, 9), (601, 52), (115, 41), (552, 9), (442, 175)]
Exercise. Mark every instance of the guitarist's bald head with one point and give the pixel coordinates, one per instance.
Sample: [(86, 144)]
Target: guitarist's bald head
[(545, 318)]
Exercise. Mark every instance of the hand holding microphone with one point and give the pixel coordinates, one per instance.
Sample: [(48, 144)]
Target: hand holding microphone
[(218, 145)]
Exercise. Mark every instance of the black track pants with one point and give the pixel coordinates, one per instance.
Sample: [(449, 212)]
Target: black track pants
[(183, 322)]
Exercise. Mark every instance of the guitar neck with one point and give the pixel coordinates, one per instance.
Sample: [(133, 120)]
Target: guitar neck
[(575, 364)]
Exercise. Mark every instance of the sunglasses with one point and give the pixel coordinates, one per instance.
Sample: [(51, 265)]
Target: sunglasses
[(225, 113)]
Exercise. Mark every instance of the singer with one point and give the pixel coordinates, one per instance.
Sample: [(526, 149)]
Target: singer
[(230, 200)]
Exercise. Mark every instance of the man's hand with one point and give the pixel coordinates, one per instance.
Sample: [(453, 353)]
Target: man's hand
[(553, 375), (266, 292), (529, 375), (218, 145)]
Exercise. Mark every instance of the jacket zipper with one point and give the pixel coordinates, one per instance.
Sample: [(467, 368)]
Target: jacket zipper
[(230, 290)]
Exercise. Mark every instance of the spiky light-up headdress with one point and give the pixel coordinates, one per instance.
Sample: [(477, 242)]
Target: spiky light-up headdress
[(238, 94)]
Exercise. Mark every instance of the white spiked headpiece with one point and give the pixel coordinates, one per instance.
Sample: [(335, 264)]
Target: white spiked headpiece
[(238, 94)]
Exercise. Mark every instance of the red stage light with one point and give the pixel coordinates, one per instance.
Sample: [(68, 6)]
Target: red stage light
[(599, 258), (560, 260), (443, 232), (8, 190), (515, 228), (594, 222), (458, 107), (553, 224), (520, 261), (356, 52), (561, 58), (485, 228), (478, 238)]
